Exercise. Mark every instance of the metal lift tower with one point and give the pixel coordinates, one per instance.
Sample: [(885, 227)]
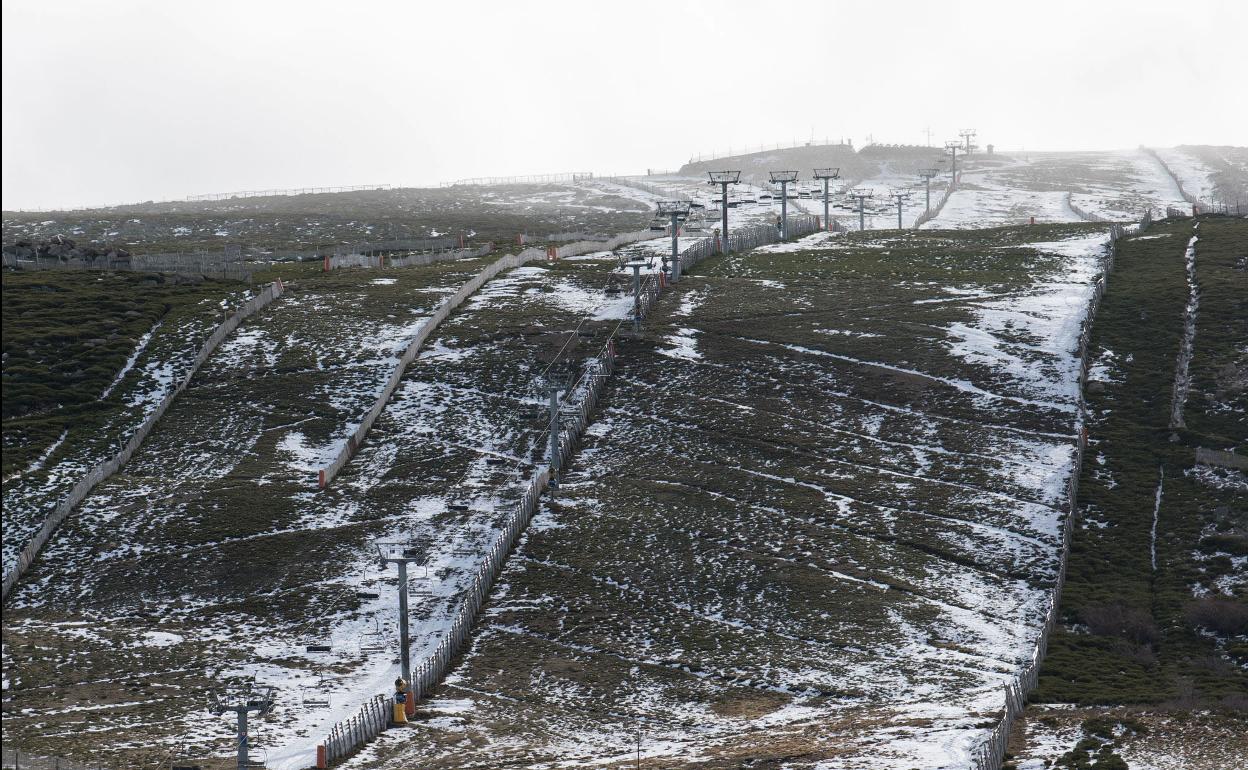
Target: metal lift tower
[(241, 700), (951, 149), (827, 174), (927, 174), (678, 211), (967, 135), (723, 179), (783, 178), (861, 196), (402, 554), (900, 195)]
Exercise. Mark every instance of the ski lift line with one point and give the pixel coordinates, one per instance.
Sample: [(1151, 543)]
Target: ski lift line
[(558, 355), (582, 381), (486, 573), (572, 336)]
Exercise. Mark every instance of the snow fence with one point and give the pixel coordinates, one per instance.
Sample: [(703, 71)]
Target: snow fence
[(349, 258), (583, 396), (506, 262), (585, 247), (226, 265), (1086, 216), (581, 400), (991, 753), (112, 465), (1197, 204), (931, 214)]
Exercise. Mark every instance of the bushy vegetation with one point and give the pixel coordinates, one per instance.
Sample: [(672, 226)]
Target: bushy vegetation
[(1095, 751), (66, 336), (302, 222), (1133, 633)]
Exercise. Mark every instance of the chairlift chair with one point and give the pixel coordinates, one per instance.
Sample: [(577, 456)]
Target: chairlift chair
[(185, 763), (421, 585), (318, 644), (313, 700), (373, 641), (263, 762)]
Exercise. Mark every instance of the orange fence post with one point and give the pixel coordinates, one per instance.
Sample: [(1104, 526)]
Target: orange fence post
[(322, 760)]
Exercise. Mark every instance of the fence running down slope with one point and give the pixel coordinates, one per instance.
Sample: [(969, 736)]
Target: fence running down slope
[(113, 464), (991, 753), (932, 213), (576, 409), (506, 262)]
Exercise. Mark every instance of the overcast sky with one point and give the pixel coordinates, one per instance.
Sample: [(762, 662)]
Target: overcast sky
[(128, 100)]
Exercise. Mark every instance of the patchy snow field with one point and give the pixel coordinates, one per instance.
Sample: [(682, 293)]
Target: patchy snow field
[(161, 358), (223, 493), (215, 533), (815, 520), (1146, 740), (853, 445), (1114, 186), (1192, 172)]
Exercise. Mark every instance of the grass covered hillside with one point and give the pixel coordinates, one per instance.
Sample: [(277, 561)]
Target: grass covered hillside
[(67, 336), (1155, 609), (303, 222), (814, 524)]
